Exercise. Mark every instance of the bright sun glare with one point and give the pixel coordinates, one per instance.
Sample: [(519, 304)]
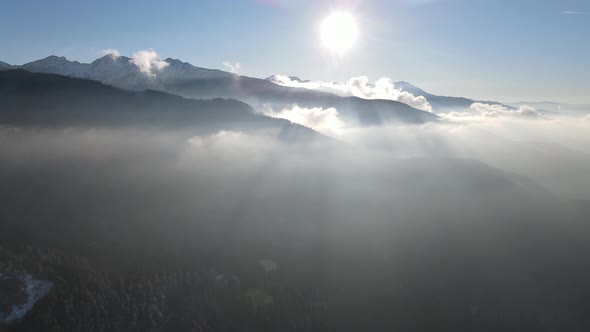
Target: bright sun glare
[(339, 32)]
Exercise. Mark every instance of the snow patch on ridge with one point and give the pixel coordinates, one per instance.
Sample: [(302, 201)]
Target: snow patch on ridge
[(32, 289)]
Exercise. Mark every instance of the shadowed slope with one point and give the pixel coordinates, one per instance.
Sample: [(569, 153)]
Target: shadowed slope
[(46, 99)]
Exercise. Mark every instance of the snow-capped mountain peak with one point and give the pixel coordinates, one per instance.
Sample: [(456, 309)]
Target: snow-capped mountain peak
[(57, 65), (123, 72)]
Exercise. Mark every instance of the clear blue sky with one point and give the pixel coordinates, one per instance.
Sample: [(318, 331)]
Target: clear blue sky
[(492, 49)]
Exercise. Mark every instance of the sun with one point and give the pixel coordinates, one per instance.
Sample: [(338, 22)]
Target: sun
[(339, 32)]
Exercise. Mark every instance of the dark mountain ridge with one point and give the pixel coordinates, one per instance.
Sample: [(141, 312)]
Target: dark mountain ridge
[(49, 99), (4, 66)]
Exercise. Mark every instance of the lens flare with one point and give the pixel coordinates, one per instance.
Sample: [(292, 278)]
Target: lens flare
[(339, 32)]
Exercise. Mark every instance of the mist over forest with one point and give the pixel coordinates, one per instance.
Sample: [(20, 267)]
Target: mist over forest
[(453, 219)]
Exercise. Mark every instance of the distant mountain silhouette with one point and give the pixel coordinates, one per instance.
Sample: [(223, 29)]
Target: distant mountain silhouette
[(550, 107), (4, 66), (189, 81), (57, 65), (544, 107), (50, 99), (352, 110), (442, 103)]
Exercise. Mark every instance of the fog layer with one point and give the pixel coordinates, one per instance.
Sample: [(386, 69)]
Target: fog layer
[(489, 214)]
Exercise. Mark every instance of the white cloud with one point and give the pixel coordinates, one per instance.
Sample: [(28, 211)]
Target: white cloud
[(109, 51), (576, 13), (526, 110), (325, 121), (228, 135), (233, 67), (459, 115), (359, 87), (219, 139), (226, 145), (488, 110), (197, 141), (496, 110), (148, 62), (481, 111)]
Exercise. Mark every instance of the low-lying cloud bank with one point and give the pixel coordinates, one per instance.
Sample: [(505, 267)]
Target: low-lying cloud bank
[(471, 211), (451, 205), (484, 110), (323, 120), (383, 88), (461, 183), (495, 110)]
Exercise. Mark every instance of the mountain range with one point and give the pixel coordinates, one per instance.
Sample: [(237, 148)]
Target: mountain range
[(28, 98), (195, 82), (184, 79), (181, 78)]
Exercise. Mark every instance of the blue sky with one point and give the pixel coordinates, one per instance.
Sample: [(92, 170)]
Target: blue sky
[(486, 49)]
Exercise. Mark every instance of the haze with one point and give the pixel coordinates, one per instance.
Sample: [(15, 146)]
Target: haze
[(294, 166)]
